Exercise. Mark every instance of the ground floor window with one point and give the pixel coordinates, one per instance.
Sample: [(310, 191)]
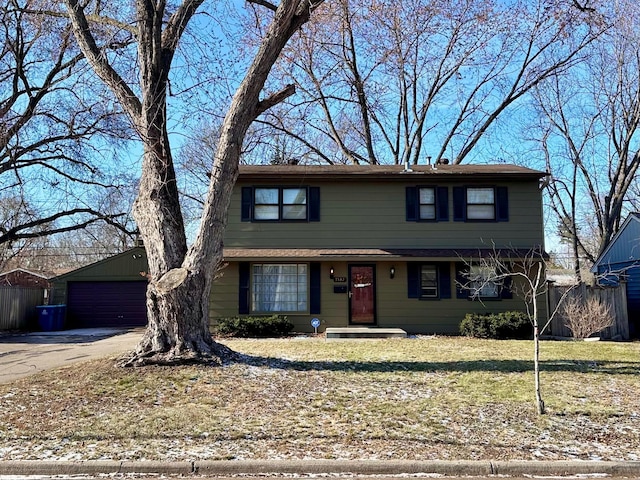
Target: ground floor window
[(279, 287), (429, 281), (482, 282)]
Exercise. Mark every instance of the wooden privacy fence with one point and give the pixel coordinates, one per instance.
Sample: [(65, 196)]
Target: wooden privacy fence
[(614, 297), (18, 307)]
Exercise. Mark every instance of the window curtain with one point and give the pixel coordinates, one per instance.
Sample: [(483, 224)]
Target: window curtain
[(279, 288)]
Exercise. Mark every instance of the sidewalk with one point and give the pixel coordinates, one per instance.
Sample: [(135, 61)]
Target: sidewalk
[(318, 467)]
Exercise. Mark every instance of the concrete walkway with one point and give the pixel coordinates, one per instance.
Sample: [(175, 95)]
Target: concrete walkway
[(293, 468), (25, 354)]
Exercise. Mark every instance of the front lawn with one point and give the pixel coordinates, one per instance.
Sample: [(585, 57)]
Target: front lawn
[(425, 398)]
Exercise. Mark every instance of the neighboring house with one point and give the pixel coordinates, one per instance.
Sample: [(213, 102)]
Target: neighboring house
[(21, 291), (19, 277), (374, 245), (620, 260), (108, 293)]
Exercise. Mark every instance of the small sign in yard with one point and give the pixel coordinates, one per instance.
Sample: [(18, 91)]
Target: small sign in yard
[(315, 323)]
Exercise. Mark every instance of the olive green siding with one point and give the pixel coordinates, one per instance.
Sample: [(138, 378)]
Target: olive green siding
[(371, 214), (394, 308), (363, 213), (123, 267)]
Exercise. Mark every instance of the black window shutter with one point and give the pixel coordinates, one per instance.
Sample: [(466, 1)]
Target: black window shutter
[(413, 280), (314, 287), (243, 293), (502, 204), (314, 204), (442, 197), (412, 204), (444, 280), (459, 204), (461, 281), (506, 292), (247, 203)]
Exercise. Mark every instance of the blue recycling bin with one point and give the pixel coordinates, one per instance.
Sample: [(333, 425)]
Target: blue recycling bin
[(51, 317)]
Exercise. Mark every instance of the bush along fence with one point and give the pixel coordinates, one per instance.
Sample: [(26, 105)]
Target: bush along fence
[(613, 299), (18, 307)]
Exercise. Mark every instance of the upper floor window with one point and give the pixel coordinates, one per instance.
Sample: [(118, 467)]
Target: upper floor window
[(480, 204), (427, 199), (280, 204), (427, 204)]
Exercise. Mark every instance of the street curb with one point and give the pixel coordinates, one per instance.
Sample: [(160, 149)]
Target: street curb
[(307, 467)]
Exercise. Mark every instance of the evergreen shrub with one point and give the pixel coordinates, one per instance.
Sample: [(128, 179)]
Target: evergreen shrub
[(262, 326), (504, 325)]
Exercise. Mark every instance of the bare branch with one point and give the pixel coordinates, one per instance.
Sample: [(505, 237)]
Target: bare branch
[(275, 99), (177, 23), (583, 7), (264, 3), (24, 231), (129, 101)]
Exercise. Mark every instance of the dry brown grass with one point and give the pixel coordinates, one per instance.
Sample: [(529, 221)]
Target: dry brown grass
[(428, 398)]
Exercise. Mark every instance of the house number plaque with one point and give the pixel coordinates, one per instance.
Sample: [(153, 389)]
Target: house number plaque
[(339, 279)]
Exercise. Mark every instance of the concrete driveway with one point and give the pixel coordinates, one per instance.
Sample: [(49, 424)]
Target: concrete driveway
[(25, 354)]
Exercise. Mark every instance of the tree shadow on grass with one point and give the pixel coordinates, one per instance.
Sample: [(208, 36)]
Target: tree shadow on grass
[(501, 366)]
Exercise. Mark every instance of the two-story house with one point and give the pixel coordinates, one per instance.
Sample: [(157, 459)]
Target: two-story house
[(378, 246)]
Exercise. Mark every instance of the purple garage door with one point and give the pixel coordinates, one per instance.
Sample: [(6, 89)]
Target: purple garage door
[(106, 304)]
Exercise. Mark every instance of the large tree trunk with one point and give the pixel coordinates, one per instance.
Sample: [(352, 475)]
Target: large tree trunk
[(178, 295), (178, 330), (180, 278)]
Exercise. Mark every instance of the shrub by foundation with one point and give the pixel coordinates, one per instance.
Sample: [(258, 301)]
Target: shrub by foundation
[(505, 325), (244, 327)]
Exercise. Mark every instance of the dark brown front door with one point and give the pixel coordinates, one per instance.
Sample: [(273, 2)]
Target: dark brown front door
[(362, 294)]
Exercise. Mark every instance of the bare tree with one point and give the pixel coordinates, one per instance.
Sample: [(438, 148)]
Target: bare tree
[(589, 133), (48, 114), (181, 275), (525, 272), (395, 82)]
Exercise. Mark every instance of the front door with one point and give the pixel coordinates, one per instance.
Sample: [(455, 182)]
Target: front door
[(362, 295)]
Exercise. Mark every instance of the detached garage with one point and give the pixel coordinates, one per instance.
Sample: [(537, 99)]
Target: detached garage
[(109, 293)]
